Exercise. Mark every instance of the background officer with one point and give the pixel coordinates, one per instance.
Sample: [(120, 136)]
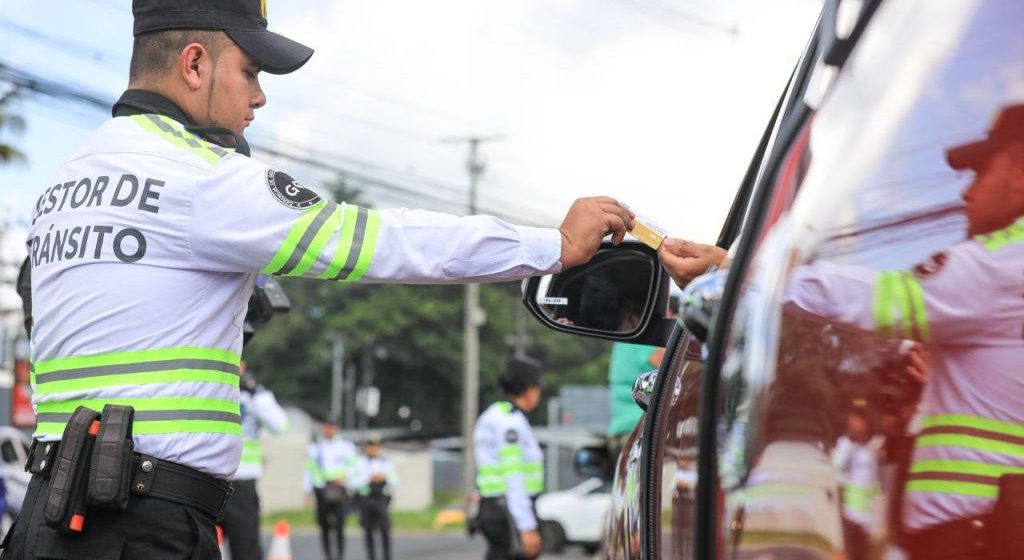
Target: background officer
[(145, 248), (374, 480), (510, 466), (329, 469), (260, 411)]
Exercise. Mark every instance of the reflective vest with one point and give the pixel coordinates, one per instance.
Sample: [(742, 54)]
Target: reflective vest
[(329, 460), (260, 411), (366, 468), (145, 247), (966, 303), (509, 461)]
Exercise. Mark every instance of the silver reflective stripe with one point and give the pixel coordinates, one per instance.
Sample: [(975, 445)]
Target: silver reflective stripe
[(144, 415), (357, 245), (141, 367), (307, 238)]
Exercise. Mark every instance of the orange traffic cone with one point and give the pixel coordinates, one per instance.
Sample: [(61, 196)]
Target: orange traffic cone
[(281, 544)]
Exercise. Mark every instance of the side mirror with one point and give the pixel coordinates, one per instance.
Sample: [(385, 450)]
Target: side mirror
[(621, 294), (591, 462)]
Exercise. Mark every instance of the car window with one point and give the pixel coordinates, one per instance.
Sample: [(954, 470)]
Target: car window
[(870, 392)]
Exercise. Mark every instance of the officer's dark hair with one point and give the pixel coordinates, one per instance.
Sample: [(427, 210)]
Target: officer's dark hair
[(156, 52), (521, 373)]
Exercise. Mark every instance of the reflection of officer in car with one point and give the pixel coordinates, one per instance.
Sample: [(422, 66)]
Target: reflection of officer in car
[(964, 495)]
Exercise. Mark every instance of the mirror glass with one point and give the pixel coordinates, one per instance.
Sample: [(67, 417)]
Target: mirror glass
[(608, 294)]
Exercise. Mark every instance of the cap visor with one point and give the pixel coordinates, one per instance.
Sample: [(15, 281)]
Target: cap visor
[(969, 156), (277, 54)]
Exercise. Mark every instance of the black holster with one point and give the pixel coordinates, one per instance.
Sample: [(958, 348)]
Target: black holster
[(64, 509), (110, 473)]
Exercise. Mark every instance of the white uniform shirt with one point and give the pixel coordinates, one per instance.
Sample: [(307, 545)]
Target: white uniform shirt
[(260, 411), (367, 468), (509, 461), (329, 460), (966, 304), (144, 251)]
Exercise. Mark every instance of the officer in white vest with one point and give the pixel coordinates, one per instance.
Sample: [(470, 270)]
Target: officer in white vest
[(145, 247), (260, 412)]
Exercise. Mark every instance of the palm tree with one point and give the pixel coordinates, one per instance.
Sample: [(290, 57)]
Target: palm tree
[(14, 123)]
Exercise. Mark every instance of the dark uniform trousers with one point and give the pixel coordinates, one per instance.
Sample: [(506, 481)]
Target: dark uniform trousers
[(330, 516), (374, 517), (495, 522), (242, 521), (149, 529)]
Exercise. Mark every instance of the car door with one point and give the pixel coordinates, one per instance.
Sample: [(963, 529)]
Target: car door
[(861, 396)]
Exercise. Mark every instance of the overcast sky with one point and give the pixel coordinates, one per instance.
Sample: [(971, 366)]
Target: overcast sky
[(656, 102)]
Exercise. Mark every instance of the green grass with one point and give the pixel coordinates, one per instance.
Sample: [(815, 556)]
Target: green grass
[(400, 520)]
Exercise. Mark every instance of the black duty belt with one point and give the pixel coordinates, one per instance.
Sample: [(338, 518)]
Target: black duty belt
[(154, 478)]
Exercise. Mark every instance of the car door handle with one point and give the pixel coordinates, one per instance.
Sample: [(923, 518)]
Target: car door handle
[(643, 388)]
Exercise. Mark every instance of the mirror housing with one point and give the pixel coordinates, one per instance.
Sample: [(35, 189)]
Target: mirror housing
[(591, 462), (620, 294)]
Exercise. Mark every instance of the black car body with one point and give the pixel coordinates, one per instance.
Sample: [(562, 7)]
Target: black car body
[(744, 449)]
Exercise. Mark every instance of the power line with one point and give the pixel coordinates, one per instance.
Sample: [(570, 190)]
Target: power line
[(73, 48)]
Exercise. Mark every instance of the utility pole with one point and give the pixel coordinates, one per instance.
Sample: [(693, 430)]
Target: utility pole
[(337, 374), (473, 317)]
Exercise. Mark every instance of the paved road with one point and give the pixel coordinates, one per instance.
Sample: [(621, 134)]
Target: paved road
[(416, 546)]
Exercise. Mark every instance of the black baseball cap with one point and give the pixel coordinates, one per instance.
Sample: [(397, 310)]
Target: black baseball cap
[(1007, 128), (245, 21)]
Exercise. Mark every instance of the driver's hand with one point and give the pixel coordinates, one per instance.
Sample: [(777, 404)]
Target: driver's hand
[(588, 221), (686, 260), (532, 545)]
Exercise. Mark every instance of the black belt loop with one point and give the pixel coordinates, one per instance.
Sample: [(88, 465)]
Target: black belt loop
[(143, 473)]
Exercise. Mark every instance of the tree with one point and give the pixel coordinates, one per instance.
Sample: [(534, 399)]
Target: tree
[(12, 122), (411, 336)]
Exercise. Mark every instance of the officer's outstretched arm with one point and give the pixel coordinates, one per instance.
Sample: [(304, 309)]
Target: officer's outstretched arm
[(249, 217)]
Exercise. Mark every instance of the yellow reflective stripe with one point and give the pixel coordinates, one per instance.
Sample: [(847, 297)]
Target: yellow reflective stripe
[(950, 487), (966, 421), (292, 239), (919, 311), (996, 240), (883, 304), (964, 467), (147, 378), (319, 242), (348, 227), (970, 442), (154, 427), (120, 358), (369, 247)]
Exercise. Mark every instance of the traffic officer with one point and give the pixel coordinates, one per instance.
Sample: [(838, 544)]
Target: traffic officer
[(260, 411), (329, 468), (374, 480), (510, 467), (146, 245), (965, 490)]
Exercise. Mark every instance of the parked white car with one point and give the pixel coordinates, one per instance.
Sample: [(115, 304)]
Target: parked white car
[(574, 516)]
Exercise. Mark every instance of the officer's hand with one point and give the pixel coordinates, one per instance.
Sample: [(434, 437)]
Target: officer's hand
[(588, 221), (532, 545), (686, 260)]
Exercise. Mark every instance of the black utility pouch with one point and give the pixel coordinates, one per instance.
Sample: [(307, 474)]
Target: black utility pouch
[(65, 502), (110, 470)]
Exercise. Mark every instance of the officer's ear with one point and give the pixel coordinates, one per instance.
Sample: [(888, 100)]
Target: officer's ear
[(195, 65)]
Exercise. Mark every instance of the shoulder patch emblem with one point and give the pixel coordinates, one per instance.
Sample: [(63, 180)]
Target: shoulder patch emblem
[(511, 436), (289, 192), (931, 266)]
